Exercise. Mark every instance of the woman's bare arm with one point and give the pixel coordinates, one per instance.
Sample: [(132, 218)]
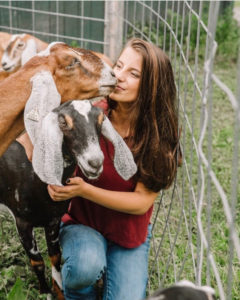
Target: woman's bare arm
[(137, 202)]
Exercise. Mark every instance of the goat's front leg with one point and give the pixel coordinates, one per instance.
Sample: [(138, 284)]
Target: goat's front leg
[(52, 233), (25, 230)]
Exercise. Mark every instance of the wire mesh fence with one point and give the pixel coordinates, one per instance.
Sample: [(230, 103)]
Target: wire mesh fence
[(81, 22), (196, 222)]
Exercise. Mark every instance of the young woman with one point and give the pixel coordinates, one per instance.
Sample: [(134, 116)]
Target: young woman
[(106, 232)]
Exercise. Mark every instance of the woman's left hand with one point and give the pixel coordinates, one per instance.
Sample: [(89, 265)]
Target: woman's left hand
[(73, 189)]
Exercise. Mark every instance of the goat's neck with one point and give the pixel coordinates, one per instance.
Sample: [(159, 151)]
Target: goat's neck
[(14, 93)]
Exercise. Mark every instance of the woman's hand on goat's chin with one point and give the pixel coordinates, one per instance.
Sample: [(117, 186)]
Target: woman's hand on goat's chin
[(74, 188)]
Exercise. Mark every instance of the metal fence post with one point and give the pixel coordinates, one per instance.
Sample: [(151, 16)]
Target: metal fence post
[(113, 30)]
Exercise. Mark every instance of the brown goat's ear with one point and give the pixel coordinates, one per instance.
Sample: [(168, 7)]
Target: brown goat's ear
[(123, 158)]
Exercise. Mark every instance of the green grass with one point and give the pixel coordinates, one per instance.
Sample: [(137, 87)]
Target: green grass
[(16, 275)]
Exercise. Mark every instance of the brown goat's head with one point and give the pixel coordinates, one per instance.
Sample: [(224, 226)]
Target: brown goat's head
[(78, 73)]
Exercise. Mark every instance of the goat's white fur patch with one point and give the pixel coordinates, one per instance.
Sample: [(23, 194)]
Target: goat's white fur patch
[(92, 153), (46, 52), (83, 107), (29, 51), (57, 277), (186, 283), (16, 195), (34, 245), (15, 36), (33, 252), (106, 76)]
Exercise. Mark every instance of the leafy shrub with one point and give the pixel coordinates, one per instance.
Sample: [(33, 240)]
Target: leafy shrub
[(227, 33)]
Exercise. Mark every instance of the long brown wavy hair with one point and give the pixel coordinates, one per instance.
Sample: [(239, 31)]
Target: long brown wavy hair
[(153, 119)]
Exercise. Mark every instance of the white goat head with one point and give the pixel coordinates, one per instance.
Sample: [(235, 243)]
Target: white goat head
[(19, 50), (79, 124)]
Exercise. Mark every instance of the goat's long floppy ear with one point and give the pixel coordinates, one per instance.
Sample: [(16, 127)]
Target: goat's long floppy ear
[(123, 158), (44, 132), (43, 99), (47, 159), (29, 51)]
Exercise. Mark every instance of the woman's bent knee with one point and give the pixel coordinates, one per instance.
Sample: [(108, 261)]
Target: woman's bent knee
[(82, 270), (84, 256)]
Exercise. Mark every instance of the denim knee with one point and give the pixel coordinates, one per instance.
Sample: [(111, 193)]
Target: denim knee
[(83, 270), (84, 256)]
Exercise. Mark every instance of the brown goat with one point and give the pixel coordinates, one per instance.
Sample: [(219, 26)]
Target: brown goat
[(77, 75)]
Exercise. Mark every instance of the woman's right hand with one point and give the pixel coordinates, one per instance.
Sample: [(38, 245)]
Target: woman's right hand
[(74, 188)]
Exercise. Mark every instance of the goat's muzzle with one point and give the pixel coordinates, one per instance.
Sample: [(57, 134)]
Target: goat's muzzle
[(91, 167)]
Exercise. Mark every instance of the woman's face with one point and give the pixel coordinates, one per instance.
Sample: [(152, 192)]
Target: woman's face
[(128, 72)]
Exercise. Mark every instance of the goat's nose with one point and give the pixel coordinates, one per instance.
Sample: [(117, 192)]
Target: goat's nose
[(4, 64), (95, 163), (113, 74)]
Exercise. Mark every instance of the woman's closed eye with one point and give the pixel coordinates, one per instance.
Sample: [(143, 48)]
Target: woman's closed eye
[(134, 74)]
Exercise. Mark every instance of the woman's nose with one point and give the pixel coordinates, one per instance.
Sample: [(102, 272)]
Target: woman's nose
[(119, 75)]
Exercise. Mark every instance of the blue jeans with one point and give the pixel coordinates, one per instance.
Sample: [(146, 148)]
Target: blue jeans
[(87, 256)]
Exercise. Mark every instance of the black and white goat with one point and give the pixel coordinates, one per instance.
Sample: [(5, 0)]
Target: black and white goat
[(184, 290), (70, 134)]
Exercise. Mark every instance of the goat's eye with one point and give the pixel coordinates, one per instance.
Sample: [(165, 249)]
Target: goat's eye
[(20, 45), (73, 63)]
